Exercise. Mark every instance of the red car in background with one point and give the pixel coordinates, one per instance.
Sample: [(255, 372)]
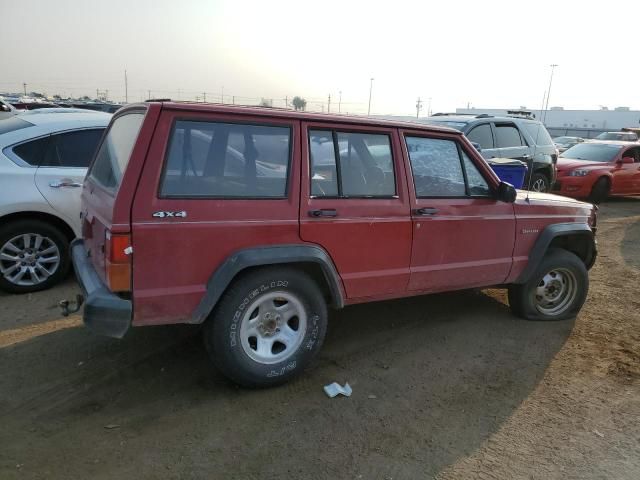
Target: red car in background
[(597, 170)]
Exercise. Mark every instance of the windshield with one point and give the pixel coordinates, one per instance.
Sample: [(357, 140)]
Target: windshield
[(12, 123), (114, 153), (594, 152), (616, 136), (538, 133), (564, 139)]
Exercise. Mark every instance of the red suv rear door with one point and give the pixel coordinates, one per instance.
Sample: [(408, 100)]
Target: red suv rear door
[(462, 236), (214, 183), (355, 204)]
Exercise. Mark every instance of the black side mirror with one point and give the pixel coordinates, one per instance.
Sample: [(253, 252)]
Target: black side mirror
[(506, 192), (476, 146)]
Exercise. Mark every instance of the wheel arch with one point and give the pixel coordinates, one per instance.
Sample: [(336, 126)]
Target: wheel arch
[(577, 238), (311, 259), (53, 220)]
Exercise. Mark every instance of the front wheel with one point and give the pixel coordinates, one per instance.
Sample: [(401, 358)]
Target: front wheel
[(539, 183), (556, 291), (600, 191), (267, 327)]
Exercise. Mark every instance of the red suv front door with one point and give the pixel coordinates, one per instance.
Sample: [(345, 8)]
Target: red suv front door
[(462, 236), (355, 204)]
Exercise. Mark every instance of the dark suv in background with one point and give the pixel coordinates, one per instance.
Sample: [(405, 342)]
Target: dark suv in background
[(516, 137)]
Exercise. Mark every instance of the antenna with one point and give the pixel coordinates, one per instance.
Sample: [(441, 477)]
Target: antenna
[(535, 146)]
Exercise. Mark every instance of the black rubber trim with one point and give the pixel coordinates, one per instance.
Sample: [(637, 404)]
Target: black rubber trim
[(104, 312), (544, 240), (268, 255)]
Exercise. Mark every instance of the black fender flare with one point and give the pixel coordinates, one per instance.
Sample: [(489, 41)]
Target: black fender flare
[(262, 256), (545, 238)]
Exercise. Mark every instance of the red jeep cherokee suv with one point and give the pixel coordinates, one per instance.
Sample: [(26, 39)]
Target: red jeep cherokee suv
[(252, 220)]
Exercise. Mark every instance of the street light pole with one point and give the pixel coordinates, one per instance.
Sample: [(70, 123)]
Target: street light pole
[(340, 102), (370, 89), (546, 107)]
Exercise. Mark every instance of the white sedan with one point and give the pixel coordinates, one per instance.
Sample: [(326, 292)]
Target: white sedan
[(44, 155)]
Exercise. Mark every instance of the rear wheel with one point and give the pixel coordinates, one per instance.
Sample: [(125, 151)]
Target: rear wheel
[(33, 256), (539, 182), (600, 191), (267, 327), (556, 291)]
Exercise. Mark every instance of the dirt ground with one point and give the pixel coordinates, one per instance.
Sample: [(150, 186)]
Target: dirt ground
[(447, 386)]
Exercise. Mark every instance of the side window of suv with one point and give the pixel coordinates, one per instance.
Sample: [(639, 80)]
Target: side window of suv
[(362, 167), (441, 169), (482, 136), (436, 167), (224, 160), (507, 135)]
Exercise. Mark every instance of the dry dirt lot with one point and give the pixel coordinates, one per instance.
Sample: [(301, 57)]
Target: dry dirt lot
[(447, 386)]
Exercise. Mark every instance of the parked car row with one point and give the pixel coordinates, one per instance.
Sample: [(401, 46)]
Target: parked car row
[(263, 218)]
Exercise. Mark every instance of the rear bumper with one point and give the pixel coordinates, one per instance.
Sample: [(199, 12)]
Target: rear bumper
[(104, 312)]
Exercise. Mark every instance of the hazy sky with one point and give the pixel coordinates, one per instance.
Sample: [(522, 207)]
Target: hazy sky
[(488, 53)]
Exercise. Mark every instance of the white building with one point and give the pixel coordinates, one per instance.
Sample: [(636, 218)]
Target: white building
[(558, 119)]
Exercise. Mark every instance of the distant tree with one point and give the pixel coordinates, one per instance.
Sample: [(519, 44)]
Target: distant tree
[(85, 98), (299, 103), (57, 97), (266, 103)]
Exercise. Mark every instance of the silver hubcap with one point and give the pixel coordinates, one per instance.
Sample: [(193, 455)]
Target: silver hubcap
[(29, 259), (273, 327), (555, 292), (539, 185)]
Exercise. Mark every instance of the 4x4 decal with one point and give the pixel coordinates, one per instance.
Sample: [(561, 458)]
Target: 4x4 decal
[(181, 214)]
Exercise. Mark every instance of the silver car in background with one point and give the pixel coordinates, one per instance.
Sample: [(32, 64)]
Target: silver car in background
[(44, 155)]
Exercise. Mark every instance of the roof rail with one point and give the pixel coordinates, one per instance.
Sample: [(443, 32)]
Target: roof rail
[(445, 114), (158, 100)]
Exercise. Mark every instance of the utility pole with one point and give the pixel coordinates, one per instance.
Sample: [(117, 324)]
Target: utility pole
[(370, 90), (546, 107), (24, 85), (286, 101), (204, 97), (429, 108), (340, 102), (222, 95), (149, 94), (126, 88), (329, 104), (233, 100), (418, 107)]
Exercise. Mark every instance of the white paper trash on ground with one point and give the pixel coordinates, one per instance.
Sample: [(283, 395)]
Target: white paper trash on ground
[(335, 388)]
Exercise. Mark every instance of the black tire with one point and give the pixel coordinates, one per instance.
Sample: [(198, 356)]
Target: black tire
[(222, 332), (50, 232), (522, 298), (542, 180), (599, 191)]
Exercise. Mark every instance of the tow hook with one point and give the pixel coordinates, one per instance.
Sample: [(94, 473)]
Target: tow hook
[(69, 307)]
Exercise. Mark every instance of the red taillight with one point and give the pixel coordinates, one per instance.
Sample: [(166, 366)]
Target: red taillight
[(118, 261)]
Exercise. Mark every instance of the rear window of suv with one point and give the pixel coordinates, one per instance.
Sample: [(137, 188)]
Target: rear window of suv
[(115, 151), (226, 160)]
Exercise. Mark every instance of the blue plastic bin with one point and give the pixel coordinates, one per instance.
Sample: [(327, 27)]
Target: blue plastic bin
[(509, 170)]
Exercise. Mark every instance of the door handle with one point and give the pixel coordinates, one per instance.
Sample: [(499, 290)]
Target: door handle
[(324, 212), (65, 184), (425, 211)]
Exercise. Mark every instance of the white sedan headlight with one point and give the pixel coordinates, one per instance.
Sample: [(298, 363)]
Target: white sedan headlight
[(579, 173)]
